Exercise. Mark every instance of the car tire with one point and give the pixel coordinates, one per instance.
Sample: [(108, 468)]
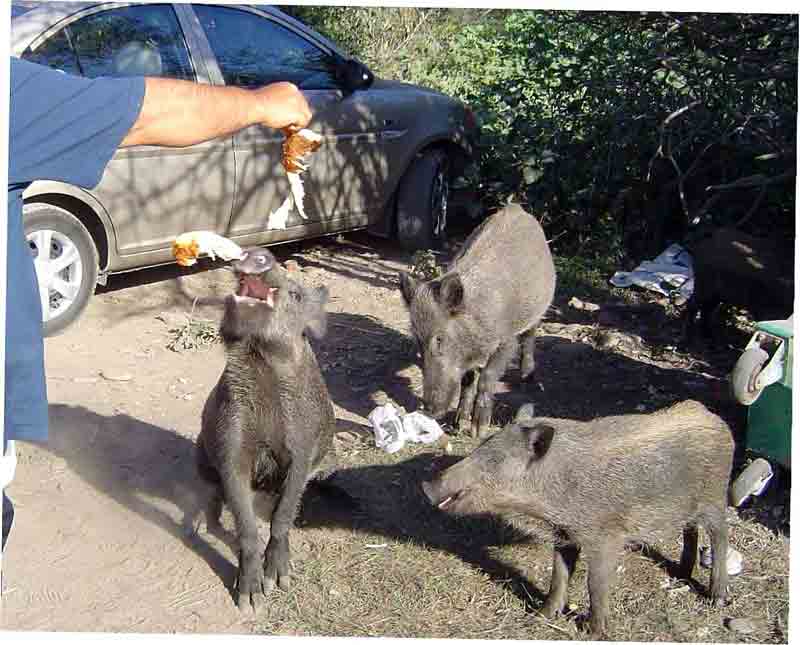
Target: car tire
[(421, 217), (745, 372), (69, 244)]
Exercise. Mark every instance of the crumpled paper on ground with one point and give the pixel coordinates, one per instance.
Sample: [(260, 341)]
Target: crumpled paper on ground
[(673, 268), (393, 431)]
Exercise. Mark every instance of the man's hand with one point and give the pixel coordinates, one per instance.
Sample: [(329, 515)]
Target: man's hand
[(284, 106)]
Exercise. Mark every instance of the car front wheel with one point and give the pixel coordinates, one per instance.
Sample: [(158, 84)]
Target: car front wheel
[(422, 202), (66, 262)]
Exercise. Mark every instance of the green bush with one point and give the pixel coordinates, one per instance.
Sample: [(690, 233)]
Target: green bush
[(664, 123)]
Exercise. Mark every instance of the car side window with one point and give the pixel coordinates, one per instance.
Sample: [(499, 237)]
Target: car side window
[(253, 51), (55, 52), (143, 40)]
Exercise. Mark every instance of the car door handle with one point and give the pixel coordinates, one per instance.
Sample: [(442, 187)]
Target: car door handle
[(388, 135)]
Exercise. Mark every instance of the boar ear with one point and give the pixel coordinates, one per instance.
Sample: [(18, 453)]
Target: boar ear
[(525, 413), (408, 286), (539, 438), (314, 311), (451, 293)]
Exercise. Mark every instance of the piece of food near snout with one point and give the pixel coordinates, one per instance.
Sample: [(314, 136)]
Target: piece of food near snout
[(298, 145), (187, 247)]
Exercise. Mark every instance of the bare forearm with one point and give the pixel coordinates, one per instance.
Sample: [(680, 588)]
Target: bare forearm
[(180, 113)]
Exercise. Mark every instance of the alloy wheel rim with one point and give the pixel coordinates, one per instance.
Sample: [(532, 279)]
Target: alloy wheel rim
[(439, 196), (59, 271)]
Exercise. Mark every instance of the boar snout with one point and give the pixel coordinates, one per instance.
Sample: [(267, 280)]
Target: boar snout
[(440, 496), (254, 260), (440, 393), (447, 491), (430, 490)]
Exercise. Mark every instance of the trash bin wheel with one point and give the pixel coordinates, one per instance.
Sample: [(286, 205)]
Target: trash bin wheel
[(745, 373)]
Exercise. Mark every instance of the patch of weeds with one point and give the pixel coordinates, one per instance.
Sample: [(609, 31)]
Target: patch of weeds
[(425, 266), (584, 268), (195, 334), (582, 277)]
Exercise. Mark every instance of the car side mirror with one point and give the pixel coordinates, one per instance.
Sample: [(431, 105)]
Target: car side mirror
[(353, 75)]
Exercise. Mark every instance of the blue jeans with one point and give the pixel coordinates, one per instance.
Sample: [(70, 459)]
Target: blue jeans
[(8, 518)]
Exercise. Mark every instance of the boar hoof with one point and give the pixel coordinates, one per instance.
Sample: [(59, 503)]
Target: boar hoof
[(597, 629), (480, 430), (550, 609), (464, 425), (276, 563), (250, 587), (718, 601)]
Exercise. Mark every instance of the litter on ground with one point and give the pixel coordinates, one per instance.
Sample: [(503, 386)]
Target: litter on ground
[(669, 273), (735, 560), (393, 431)]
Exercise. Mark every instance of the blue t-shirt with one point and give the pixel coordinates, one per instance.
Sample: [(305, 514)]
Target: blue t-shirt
[(63, 128)]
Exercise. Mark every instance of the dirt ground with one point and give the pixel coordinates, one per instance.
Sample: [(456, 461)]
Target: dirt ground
[(98, 543)]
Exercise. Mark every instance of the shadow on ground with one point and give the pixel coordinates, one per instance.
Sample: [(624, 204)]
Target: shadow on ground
[(150, 471), (387, 500), (362, 358), (143, 467)]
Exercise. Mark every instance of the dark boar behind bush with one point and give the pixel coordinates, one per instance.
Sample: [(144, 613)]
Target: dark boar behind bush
[(269, 420), (600, 484), (738, 269), (469, 322)]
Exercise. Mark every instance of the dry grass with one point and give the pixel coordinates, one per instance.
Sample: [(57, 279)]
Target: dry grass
[(195, 334), (379, 561)]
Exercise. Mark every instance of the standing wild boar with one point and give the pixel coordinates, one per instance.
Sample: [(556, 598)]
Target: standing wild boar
[(467, 323), (602, 483), (738, 269), (269, 420)]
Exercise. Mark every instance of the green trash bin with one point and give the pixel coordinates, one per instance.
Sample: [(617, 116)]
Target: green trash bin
[(762, 380)]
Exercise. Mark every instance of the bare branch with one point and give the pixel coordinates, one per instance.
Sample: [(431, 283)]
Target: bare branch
[(753, 181), (679, 112), (762, 193)]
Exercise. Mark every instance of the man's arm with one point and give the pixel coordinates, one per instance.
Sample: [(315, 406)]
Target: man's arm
[(181, 113)]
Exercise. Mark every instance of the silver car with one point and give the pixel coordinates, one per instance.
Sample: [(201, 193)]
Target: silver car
[(391, 149)]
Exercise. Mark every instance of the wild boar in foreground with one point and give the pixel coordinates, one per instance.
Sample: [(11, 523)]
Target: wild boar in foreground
[(269, 420), (600, 484)]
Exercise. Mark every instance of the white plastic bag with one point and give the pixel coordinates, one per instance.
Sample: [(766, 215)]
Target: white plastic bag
[(389, 433), (392, 431), (420, 428), (735, 561), (672, 267)]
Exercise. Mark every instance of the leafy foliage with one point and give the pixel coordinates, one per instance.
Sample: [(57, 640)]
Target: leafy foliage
[(425, 266), (667, 123)]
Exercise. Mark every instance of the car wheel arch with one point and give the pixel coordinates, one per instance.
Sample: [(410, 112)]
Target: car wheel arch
[(93, 217), (458, 159)]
